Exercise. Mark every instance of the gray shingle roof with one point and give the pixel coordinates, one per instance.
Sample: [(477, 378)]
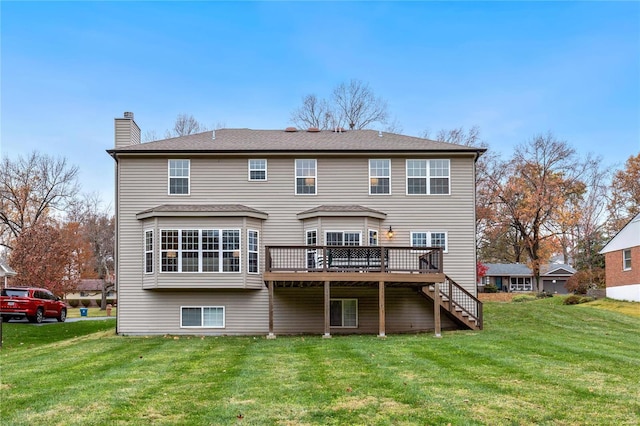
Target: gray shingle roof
[(341, 210), (508, 269), (247, 140), (201, 210)]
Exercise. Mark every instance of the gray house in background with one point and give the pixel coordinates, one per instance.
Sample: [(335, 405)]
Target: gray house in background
[(518, 277), (508, 277), (245, 232)]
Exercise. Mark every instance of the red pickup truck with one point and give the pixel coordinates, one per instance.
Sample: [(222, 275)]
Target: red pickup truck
[(35, 304)]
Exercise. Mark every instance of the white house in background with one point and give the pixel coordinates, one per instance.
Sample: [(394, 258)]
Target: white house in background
[(622, 263), (5, 272)]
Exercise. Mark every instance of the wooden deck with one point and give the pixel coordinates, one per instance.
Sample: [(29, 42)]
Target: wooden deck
[(414, 267)]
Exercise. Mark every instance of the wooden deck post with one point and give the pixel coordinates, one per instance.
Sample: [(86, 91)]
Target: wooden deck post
[(271, 335), (436, 309), (327, 310), (381, 311)]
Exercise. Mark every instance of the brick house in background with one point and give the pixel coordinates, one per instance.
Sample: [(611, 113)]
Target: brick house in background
[(622, 263), (244, 232)]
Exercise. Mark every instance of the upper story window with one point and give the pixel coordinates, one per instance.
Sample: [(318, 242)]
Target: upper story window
[(179, 174), (148, 252), (200, 250), (428, 177), (429, 239), (626, 259), (306, 176), (257, 169), (379, 176)]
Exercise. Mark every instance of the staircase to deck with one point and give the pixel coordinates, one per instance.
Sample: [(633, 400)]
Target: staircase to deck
[(457, 303)]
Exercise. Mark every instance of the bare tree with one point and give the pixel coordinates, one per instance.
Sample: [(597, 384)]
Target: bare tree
[(353, 105), (97, 227), (313, 112), (31, 190), (358, 106), (185, 124)]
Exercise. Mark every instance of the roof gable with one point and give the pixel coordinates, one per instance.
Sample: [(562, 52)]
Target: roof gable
[(627, 237), (6, 270)]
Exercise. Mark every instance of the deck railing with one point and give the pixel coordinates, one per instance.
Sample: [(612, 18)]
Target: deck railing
[(353, 259)]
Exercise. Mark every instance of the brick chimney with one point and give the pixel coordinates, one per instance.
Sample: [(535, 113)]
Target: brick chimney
[(126, 131)]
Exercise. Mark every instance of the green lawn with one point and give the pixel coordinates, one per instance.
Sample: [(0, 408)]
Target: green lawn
[(535, 363)]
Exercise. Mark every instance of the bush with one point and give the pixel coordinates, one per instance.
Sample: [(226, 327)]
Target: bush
[(85, 302), (111, 302), (543, 294), (490, 288), (576, 299), (73, 303), (523, 298)]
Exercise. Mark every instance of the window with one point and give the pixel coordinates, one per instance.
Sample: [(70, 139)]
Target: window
[(252, 252), (429, 239), (379, 176), (427, 177), (193, 250), (342, 238), (148, 252), (311, 240), (202, 316), (626, 260), (306, 177), (521, 284), (257, 169), (343, 313), (373, 237), (169, 250), (179, 177)]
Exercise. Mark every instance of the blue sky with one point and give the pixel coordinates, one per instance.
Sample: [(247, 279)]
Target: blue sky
[(515, 69)]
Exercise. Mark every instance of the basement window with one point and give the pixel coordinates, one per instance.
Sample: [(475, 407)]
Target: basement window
[(202, 317)]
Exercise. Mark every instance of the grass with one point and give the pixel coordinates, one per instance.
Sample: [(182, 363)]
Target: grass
[(536, 363), (91, 312)]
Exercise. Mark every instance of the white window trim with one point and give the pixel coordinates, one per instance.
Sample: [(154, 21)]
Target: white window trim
[(146, 251), (445, 249), (315, 175), (370, 231), (624, 260), (343, 232), (428, 177), (384, 177), (200, 250), (224, 317), (178, 177), (343, 299), (249, 170), (257, 252), (306, 236)]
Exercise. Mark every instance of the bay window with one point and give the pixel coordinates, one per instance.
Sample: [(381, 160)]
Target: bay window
[(200, 250)]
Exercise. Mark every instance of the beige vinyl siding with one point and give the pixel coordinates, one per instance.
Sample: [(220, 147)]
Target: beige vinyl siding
[(341, 181), (301, 310)]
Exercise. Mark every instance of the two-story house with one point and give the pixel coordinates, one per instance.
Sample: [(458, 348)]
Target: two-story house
[(240, 232)]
